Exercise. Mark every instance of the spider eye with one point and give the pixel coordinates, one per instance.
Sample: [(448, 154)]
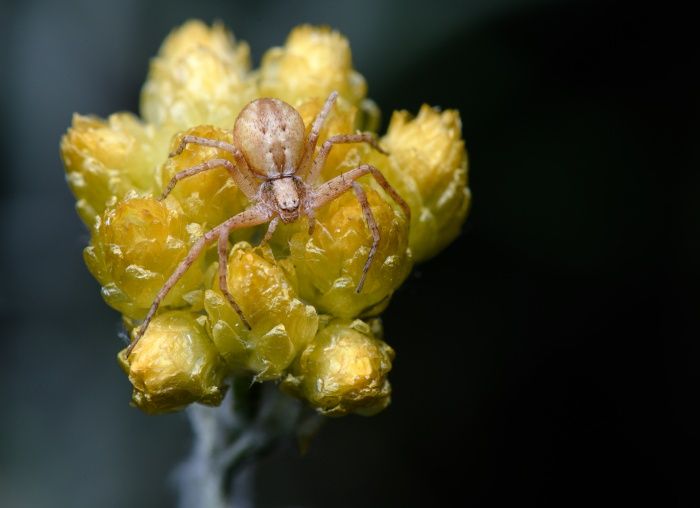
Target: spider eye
[(290, 204)]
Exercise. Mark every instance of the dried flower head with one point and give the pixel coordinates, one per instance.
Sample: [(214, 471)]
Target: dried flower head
[(299, 290)]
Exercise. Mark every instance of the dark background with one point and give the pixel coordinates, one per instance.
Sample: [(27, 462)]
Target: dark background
[(548, 356)]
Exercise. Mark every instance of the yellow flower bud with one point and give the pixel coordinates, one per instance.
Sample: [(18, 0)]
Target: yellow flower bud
[(282, 325), (329, 263), (135, 248), (200, 76), (428, 166), (313, 62), (104, 160), (175, 363), (210, 197), (344, 370)]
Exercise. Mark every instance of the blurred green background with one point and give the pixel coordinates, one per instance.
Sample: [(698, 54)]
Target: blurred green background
[(548, 356)]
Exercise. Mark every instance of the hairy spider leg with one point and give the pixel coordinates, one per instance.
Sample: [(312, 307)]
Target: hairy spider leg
[(334, 187), (320, 160), (270, 230), (372, 224), (253, 216), (241, 173), (311, 219), (199, 168), (315, 131), (223, 268)]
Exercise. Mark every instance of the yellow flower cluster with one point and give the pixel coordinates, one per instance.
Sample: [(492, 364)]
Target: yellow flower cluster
[(310, 329)]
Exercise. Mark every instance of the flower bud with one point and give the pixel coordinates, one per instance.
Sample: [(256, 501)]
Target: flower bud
[(313, 62), (344, 370), (173, 364), (428, 166), (329, 263), (104, 160), (136, 246), (282, 325), (200, 76)]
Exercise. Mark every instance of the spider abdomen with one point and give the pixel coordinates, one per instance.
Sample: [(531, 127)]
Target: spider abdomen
[(270, 134)]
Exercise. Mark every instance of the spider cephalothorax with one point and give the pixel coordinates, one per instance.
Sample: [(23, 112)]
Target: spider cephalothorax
[(276, 169)]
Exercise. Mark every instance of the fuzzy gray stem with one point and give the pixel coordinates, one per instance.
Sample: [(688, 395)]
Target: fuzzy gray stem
[(227, 440)]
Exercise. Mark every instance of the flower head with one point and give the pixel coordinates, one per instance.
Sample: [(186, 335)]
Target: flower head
[(299, 293)]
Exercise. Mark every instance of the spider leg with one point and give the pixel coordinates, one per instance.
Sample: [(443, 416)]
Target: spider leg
[(223, 267), (311, 217), (320, 160), (197, 140), (372, 224), (251, 217), (240, 172), (334, 187), (312, 138), (270, 230), (210, 164)]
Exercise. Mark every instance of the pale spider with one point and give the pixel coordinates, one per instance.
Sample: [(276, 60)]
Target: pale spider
[(276, 170)]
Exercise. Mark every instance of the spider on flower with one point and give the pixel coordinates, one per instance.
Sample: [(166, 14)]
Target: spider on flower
[(276, 170)]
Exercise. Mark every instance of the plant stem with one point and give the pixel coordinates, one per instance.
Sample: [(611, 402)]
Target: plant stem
[(229, 439)]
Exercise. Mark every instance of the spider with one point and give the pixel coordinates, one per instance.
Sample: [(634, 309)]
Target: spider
[(276, 170)]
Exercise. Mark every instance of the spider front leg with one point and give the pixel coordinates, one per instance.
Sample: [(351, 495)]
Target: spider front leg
[(253, 216), (320, 160), (336, 186), (312, 138), (197, 140), (240, 173), (242, 183)]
